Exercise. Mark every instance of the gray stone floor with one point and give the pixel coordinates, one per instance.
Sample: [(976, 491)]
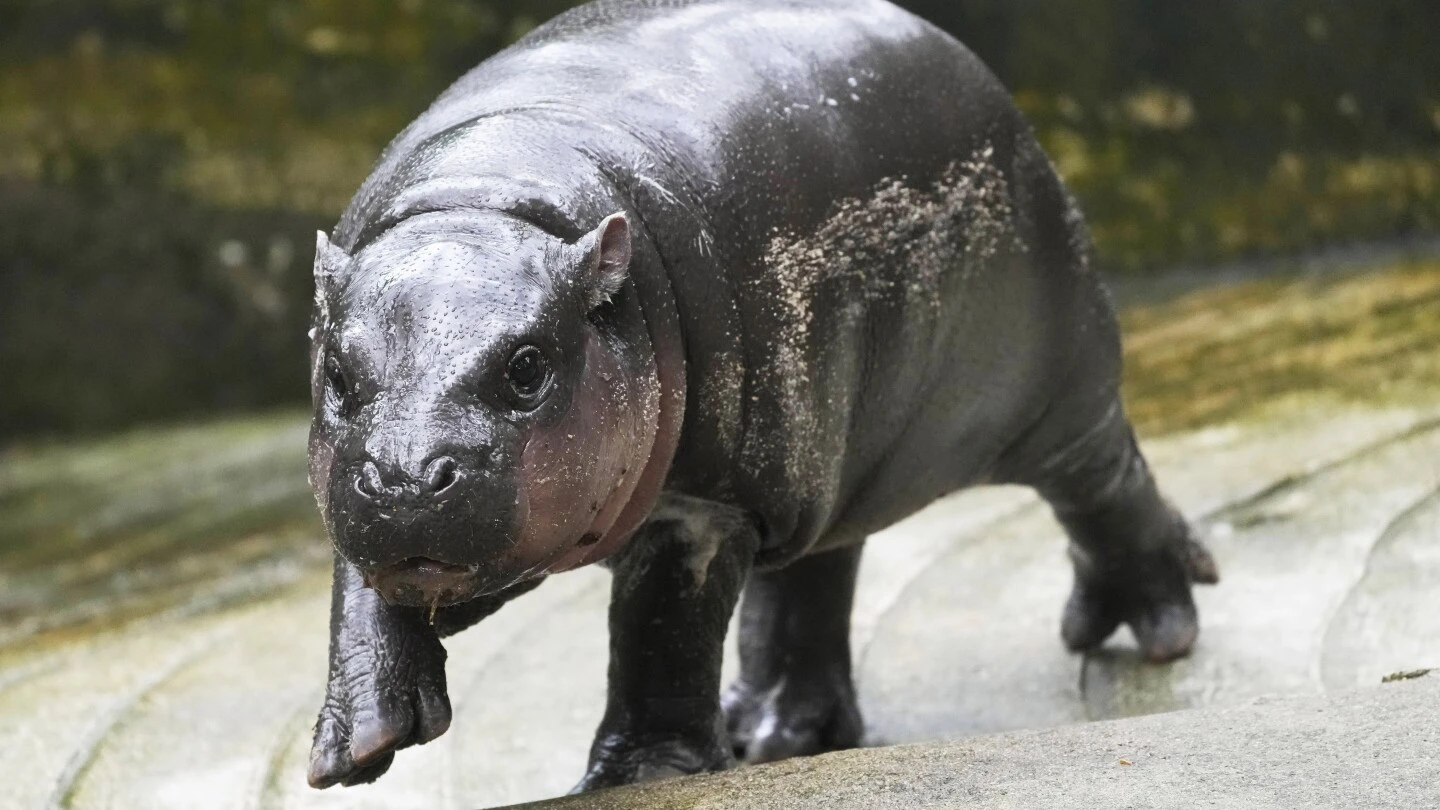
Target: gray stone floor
[(162, 624), (1368, 748)]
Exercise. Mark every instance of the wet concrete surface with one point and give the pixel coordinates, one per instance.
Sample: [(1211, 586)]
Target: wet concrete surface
[(1368, 748), (1372, 748), (163, 594)]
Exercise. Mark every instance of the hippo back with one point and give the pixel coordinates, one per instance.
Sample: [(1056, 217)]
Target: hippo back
[(868, 257)]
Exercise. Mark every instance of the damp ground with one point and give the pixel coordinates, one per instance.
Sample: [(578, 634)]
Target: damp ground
[(163, 593)]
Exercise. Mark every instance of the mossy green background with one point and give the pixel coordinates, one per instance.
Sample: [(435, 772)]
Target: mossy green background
[(164, 163)]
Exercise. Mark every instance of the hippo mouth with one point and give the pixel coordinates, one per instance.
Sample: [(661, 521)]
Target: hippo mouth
[(423, 582)]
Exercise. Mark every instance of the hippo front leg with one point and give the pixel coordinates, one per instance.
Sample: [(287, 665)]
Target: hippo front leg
[(386, 689), (675, 587)]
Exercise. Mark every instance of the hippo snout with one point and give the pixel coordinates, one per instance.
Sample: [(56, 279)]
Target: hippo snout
[(438, 480), (453, 504)]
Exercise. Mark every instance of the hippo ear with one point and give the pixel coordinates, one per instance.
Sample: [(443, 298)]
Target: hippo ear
[(328, 261), (606, 262)]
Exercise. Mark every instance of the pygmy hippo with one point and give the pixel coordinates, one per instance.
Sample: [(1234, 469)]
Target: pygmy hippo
[(707, 291)]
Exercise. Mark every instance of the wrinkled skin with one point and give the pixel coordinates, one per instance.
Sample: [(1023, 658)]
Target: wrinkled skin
[(707, 292)]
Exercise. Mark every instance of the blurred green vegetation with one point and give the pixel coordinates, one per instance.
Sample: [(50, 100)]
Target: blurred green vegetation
[(1195, 132), (164, 163)]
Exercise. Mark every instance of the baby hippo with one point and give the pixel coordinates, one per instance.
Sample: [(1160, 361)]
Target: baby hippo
[(706, 291)]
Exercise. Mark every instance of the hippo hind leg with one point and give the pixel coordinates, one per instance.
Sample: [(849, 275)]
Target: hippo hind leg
[(1135, 557), (795, 695)]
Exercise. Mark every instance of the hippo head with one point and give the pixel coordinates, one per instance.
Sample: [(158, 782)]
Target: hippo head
[(485, 400)]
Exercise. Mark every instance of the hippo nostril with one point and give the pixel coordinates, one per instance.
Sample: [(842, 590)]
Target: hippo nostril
[(440, 475), (369, 483)]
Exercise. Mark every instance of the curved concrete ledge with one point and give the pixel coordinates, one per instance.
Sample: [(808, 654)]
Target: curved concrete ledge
[(1377, 747)]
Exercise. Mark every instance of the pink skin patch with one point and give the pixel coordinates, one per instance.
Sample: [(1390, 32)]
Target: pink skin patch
[(580, 475)]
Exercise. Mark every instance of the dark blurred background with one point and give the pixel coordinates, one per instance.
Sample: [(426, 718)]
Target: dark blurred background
[(165, 163)]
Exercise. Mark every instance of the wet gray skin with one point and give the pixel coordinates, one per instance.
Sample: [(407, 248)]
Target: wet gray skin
[(709, 291)]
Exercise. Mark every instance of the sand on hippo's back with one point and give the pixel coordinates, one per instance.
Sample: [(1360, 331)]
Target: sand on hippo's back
[(896, 246)]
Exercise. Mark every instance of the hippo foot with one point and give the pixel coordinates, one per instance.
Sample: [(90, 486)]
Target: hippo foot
[(799, 716), (1150, 592), (380, 701), (615, 761)]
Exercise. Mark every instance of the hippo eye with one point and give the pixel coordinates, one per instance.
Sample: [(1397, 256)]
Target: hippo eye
[(528, 372), (339, 385)]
